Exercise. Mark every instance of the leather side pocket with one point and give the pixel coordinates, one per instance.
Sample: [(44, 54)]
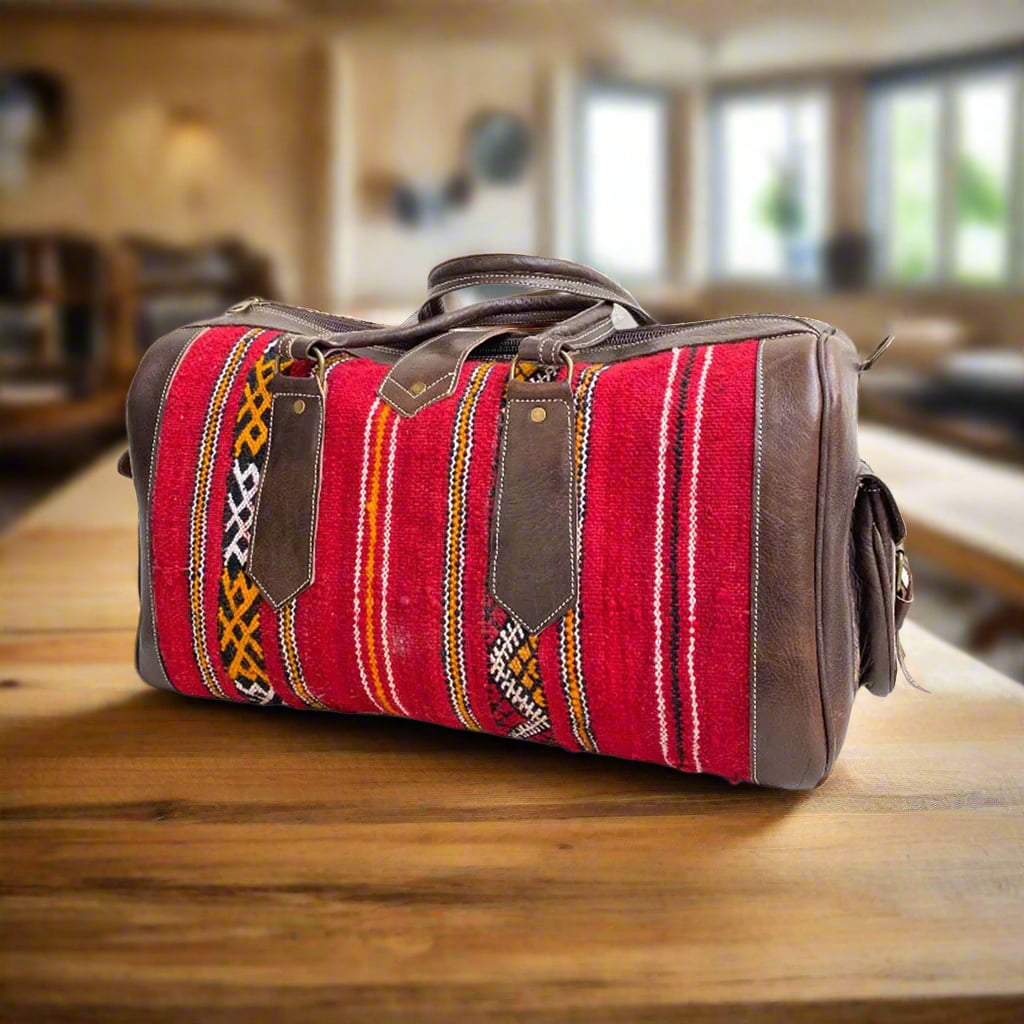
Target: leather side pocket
[(877, 539)]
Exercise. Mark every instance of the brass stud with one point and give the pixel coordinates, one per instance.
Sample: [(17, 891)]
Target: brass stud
[(299, 407), (538, 414), (418, 387)]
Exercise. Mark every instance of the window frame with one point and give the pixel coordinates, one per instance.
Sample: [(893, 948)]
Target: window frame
[(601, 85), (944, 76), (790, 91)]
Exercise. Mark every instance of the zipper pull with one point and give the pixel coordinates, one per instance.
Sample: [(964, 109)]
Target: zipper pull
[(245, 305)]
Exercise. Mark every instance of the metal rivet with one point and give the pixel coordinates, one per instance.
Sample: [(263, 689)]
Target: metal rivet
[(538, 414), (299, 407), (418, 387)]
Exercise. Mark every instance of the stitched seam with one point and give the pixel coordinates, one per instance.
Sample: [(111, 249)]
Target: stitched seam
[(313, 502), (819, 540), (565, 284), (554, 334), (758, 449), (537, 275), (391, 403), (887, 587), (596, 333), (560, 330), (724, 341), (391, 376), (560, 335), (454, 373), (442, 287), (149, 494), (497, 519), (389, 380), (669, 337)]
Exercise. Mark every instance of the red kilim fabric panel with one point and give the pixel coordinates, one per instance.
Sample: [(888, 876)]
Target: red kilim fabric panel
[(652, 663)]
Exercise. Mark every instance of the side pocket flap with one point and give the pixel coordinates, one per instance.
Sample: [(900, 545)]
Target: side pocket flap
[(878, 532)]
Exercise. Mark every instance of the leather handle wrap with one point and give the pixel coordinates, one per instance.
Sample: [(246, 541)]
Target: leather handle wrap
[(430, 371), (531, 272)]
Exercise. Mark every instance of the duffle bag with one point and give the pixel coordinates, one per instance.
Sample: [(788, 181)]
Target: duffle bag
[(541, 515)]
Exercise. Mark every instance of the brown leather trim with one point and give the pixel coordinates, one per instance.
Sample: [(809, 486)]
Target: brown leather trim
[(586, 329), (145, 408), (285, 518), (837, 492), (431, 370), (533, 536), (375, 344), (788, 747), (878, 530)]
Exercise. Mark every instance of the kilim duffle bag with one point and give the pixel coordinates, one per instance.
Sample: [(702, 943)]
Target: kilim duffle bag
[(542, 515)]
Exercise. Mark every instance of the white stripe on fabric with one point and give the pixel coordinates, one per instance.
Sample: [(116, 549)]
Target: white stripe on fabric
[(386, 564), (659, 548), (691, 556)]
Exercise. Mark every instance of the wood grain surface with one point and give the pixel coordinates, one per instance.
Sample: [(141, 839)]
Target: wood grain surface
[(166, 859)]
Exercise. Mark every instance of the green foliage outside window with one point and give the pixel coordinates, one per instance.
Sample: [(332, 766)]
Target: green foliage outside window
[(979, 199)]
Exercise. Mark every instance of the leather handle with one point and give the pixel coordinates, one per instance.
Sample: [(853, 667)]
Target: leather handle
[(508, 310), (532, 272), (584, 330)]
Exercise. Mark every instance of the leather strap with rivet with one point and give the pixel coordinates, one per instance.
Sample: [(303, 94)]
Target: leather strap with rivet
[(533, 558), (431, 371), (284, 522)]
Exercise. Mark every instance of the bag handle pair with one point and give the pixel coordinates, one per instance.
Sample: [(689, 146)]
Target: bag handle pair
[(532, 272), (562, 298)]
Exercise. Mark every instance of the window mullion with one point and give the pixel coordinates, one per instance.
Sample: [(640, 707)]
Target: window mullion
[(1016, 212), (880, 172), (948, 146)]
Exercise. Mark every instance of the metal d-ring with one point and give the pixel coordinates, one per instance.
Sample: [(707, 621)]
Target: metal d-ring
[(321, 364), (566, 357)]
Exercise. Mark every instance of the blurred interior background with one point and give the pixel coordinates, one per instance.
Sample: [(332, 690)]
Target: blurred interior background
[(861, 162)]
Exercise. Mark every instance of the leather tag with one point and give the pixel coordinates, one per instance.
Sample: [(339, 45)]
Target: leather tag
[(284, 525), (533, 533), (430, 371)]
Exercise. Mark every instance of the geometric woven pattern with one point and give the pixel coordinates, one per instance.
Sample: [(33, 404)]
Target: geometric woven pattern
[(201, 500), (570, 630), (650, 662), (239, 599), (238, 621), (459, 465), (518, 703)]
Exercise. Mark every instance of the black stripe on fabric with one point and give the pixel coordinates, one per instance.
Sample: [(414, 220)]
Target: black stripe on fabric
[(675, 632)]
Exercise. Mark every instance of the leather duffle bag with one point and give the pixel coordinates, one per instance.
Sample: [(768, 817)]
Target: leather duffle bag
[(541, 515)]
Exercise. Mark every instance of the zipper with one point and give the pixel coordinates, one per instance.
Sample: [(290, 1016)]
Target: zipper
[(305, 315), (506, 347)]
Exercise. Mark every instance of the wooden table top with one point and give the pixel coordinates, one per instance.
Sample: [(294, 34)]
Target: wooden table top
[(962, 510), (169, 859)]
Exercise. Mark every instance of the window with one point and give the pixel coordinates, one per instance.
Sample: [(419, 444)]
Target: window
[(769, 157), (943, 169), (621, 208)]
